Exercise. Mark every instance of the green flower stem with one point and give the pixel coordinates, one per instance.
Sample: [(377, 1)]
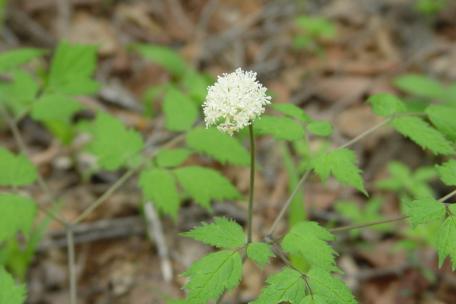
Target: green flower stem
[(252, 184)]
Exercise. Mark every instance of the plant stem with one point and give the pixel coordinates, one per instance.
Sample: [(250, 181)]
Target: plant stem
[(252, 184), (357, 226), (365, 133), (71, 265)]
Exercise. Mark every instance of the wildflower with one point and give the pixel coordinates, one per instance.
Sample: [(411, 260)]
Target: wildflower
[(234, 101)]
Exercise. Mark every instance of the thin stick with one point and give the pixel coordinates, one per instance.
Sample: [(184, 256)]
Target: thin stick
[(252, 184), (72, 265), (351, 227), (365, 133), (449, 195)]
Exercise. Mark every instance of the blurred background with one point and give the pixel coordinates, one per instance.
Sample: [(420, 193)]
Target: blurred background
[(325, 56)]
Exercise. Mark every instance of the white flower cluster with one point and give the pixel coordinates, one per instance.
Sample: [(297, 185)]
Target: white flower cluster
[(234, 101)]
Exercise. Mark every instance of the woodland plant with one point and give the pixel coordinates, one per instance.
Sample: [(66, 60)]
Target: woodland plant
[(237, 101)]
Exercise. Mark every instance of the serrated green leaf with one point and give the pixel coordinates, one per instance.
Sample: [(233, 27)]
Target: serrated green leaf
[(446, 241), (420, 85), (16, 170), (260, 253), (19, 93), (180, 112), (423, 134), (18, 213), (204, 185), (309, 240), (291, 110), (385, 104), (210, 276), (71, 70), (10, 292), (424, 210), (331, 289), (220, 146), (320, 128), (55, 107), (171, 157), (340, 163), (447, 172), (279, 127), (159, 186), (287, 285), (166, 57), (313, 299), (443, 117), (196, 85), (221, 233), (10, 60), (112, 143)]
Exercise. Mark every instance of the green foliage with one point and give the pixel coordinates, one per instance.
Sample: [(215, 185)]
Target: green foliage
[(171, 157), (16, 170), (447, 172), (420, 85), (291, 110), (179, 110), (112, 143), (279, 127), (320, 128), (196, 85), (446, 240), (19, 93), (169, 59), (159, 186), (71, 70), (424, 210), (220, 146), (10, 292), (430, 7), (204, 185), (423, 134), (287, 285), (385, 104), (313, 29), (340, 163), (11, 60), (18, 213), (260, 253), (222, 233), (331, 289), (443, 118), (309, 240), (211, 275)]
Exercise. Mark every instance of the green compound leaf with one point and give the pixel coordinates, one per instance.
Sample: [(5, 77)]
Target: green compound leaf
[(291, 110), (71, 70), (446, 241), (210, 276), (196, 85), (309, 240), (320, 128), (285, 286), (443, 117), (313, 299), (218, 145), (166, 57), (19, 93), (204, 185), (16, 170), (329, 288), (180, 111), (10, 292), (420, 85), (112, 143), (12, 59), (260, 253), (385, 104), (222, 233), (423, 134), (55, 107), (279, 127), (340, 163), (18, 213), (159, 186), (424, 211), (171, 157), (447, 172)]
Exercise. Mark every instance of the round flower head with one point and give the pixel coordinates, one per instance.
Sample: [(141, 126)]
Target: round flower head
[(234, 101)]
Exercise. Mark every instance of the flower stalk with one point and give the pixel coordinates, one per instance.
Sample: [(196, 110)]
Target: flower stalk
[(252, 184)]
